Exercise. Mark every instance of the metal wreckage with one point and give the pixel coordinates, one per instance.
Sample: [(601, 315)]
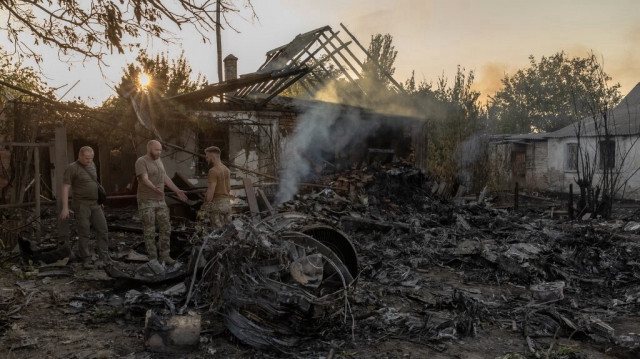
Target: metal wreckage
[(394, 259)]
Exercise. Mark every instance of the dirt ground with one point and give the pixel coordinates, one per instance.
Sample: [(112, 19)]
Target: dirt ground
[(78, 313), (47, 327)]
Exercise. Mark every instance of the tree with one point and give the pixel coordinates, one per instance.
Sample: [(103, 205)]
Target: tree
[(98, 27), (372, 88), (606, 142), (456, 152), (550, 94), (19, 114), (383, 56), (168, 77)]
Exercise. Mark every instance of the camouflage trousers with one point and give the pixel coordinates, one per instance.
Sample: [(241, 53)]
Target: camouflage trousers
[(218, 211), (154, 215), (89, 214)]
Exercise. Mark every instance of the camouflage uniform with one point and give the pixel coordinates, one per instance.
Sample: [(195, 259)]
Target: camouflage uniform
[(153, 210), (155, 214), (218, 211)]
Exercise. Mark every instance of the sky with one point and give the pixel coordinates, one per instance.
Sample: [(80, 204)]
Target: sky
[(489, 37)]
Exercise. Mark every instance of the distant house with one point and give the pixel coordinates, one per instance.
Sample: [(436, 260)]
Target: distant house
[(550, 161)]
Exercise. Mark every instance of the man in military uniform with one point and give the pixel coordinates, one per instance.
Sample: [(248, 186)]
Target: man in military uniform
[(152, 207), (217, 204), (81, 177)]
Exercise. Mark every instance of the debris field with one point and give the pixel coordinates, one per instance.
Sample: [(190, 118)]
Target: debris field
[(378, 263)]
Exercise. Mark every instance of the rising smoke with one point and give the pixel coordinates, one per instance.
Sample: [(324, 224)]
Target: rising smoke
[(322, 132)]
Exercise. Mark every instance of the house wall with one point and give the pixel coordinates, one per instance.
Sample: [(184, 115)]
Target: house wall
[(627, 163), (537, 174), (505, 159), (500, 162), (559, 176), (255, 140)]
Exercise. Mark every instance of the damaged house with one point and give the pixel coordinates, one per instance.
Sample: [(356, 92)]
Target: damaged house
[(553, 161), (265, 135)]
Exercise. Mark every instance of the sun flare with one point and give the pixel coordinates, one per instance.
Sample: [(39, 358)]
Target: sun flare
[(144, 80)]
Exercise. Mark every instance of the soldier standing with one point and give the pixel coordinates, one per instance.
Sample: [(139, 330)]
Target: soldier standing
[(81, 177), (217, 200), (152, 207)]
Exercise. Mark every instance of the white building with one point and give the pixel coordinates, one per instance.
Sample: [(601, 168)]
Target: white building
[(604, 144)]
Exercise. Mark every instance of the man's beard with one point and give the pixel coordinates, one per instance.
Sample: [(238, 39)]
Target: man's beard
[(153, 156)]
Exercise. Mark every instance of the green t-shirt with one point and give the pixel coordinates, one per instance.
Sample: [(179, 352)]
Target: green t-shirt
[(155, 172), (83, 187)]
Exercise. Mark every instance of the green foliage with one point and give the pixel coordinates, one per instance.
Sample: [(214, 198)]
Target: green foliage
[(99, 27), (13, 71), (168, 76), (372, 89), (455, 119), (550, 94), (383, 55)]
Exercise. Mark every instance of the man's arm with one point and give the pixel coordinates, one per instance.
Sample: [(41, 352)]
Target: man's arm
[(144, 180), (65, 201), (211, 189), (169, 183)]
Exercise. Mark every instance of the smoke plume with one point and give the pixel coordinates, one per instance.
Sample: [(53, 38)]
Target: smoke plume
[(323, 131)]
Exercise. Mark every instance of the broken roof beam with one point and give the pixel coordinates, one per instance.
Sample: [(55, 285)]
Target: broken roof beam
[(315, 31), (309, 92), (231, 85), (335, 35), (335, 60), (292, 81), (382, 70), (288, 52), (312, 57), (288, 64), (350, 52)]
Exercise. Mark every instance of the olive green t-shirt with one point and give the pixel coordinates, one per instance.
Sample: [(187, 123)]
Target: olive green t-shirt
[(83, 187), (155, 171)]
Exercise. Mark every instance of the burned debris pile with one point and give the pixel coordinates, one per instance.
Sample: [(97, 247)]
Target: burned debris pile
[(520, 270), (272, 285), (381, 254)]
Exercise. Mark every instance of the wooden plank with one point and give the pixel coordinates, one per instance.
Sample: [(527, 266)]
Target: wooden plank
[(266, 201), (61, 162), (251, 195), (25, 144), (38, 212)]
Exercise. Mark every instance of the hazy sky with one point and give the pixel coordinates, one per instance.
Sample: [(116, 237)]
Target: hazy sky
[(432, 37)]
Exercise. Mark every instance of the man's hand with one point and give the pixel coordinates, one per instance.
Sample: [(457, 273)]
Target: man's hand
[(182, 195), (65, 213)]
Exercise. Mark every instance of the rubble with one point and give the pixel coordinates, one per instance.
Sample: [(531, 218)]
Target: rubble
[(385, 258)]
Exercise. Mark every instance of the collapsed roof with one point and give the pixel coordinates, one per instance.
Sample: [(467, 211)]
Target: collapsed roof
[(302, 61)]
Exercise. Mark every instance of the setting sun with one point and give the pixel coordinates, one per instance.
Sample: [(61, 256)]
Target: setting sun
[(144, 80)]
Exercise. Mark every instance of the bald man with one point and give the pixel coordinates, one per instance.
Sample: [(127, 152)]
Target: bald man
[(81, 176), (152, 207)]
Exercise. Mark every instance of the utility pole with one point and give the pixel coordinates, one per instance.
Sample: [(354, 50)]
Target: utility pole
[(219, 45)]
